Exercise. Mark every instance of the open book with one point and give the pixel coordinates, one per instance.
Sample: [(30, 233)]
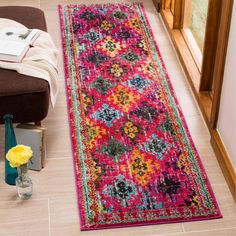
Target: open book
[(15, 42)]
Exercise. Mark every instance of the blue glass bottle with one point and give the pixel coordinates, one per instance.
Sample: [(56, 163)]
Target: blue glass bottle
[(10, 141)]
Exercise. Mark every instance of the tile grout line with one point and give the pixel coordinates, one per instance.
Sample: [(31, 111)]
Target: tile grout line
[(58, 158), (35, 199), (183, 228), (219, 184), (209, 230), (21, 221), (49, 218), (196, 231)]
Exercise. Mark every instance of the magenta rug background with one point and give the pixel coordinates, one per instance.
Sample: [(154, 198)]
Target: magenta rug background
[(135, 162)]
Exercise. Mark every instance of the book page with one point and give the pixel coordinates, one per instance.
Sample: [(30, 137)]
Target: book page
[(12, 48), (18, 34)]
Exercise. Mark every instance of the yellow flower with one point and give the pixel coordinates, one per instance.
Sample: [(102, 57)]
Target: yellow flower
[(106, 25), (116, 70), (19, 155), (129, 124), (141, 167), (133, 23), (131, 135)]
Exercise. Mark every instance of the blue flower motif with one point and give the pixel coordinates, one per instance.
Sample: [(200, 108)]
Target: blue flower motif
[(122, 189), (102, 10), (107, 115), (139, 83), (88, 15), (92, 36), (149, 202), (155, 146), (96, 58)]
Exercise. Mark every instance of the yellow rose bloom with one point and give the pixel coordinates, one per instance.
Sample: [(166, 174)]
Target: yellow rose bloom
[(19, 155)]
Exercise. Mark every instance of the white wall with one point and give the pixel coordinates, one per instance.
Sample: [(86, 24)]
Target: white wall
[(227, 115)]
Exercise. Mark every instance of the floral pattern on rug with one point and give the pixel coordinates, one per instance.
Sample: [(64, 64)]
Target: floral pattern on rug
[(135, 162)]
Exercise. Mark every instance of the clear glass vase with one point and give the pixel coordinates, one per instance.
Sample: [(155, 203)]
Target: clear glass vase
[(24, 183)]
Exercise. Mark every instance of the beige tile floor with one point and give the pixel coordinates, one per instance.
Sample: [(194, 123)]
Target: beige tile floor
[(52, 210)]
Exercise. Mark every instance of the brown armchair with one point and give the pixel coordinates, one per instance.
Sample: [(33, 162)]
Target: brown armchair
[(25, 97)]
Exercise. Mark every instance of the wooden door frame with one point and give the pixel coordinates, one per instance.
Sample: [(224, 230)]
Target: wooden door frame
[(214, 52), (210, 45), (219, 60)]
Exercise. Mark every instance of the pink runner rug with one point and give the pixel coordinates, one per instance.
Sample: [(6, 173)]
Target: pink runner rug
[(135, 162)]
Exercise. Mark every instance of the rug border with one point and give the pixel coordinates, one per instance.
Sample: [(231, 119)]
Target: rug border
[(83, 227), (62, 29)]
